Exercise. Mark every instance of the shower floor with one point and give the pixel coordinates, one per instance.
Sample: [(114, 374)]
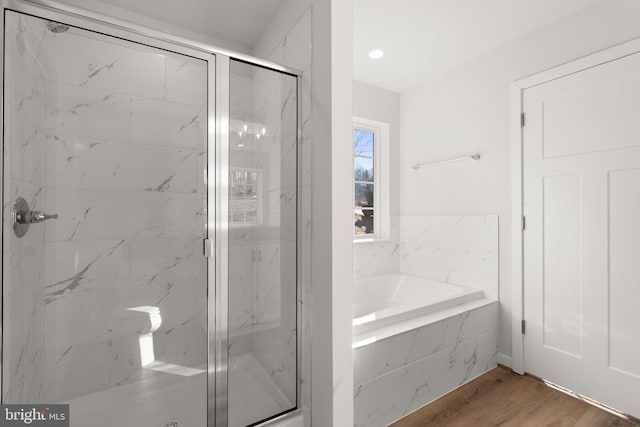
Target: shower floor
[(178, 399), (249, 382)]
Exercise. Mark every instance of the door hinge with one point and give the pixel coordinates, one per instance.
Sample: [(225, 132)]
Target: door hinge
[(208, 248), (521, 119), (524, 326), (524, 223)]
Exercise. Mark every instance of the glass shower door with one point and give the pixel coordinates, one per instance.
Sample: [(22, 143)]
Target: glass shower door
[(263, 358), (104, 198)]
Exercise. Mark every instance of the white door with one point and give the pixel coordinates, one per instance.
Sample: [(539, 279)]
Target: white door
[(581, 167)]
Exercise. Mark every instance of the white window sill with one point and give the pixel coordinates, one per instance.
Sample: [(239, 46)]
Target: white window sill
[(372, 240)]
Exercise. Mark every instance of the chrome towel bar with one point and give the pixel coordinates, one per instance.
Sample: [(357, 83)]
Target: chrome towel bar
[(475, 156)]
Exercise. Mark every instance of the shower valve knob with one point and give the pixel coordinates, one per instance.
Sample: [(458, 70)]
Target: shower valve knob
[(23, 216)]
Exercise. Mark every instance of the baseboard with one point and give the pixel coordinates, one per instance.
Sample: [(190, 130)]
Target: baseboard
[(505, 360)]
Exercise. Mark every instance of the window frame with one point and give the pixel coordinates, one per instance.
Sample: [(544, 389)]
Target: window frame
[(381, 208)]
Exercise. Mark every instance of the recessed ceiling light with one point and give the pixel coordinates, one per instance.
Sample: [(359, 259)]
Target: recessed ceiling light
[(376, 54)]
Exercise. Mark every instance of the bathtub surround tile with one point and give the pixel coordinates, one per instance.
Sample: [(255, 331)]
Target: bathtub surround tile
[(375, 258), (474, 233), (455, 249), (461, 250), (412, 369)]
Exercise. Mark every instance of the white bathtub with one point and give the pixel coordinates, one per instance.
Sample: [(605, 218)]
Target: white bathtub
[(419, 338), (390, 304)]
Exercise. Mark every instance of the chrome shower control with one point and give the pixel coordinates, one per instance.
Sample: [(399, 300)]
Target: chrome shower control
[(22, 217), (34, 217)]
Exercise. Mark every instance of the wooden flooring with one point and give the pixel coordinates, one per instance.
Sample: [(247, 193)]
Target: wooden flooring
[(502, 398)]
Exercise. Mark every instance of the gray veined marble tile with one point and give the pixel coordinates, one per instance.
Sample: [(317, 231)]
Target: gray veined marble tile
[(77, 266), (120, 166), (24, 149), (475, 233), (107, 64), (99, 214), (89, 113), (186, 80), (403, 373), (375, 258), (157, 261), (168, 123), (25, 70), (68, 163)]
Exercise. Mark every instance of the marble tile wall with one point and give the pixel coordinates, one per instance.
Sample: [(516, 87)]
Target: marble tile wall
[(26, 93), (397, 375), (376, 258), (124, 144), (455, 249)]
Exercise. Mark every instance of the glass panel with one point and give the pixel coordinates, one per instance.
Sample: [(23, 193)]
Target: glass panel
[(364, 195), (245, 195), (105, 307), (363, 169), (363, 143), (363, 221), (262, 244)]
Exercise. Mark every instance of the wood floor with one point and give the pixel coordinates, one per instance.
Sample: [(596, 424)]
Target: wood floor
[(502, 398)]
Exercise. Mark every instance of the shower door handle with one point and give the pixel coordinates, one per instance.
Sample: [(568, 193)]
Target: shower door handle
[(34, 217)]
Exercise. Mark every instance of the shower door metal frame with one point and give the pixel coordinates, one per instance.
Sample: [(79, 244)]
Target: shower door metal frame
[(216, 243)]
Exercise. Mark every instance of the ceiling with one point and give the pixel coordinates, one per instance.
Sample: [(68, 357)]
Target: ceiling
[(424, 38), (238, 21)]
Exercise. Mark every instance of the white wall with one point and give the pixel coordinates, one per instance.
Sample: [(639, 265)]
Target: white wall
[(332, 367), (467, 110)]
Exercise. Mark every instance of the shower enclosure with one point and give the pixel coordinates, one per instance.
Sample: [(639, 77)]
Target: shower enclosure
[(149, 271)]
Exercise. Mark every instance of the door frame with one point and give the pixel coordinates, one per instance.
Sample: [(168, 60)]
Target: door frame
[(517, 190)]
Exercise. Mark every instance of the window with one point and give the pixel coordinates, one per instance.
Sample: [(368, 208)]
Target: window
[(370, 178), (245, 195)]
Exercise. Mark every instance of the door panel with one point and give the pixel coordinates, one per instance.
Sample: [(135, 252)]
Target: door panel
[(624, 270), (581, 153), (105, 306), (562, 284)]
